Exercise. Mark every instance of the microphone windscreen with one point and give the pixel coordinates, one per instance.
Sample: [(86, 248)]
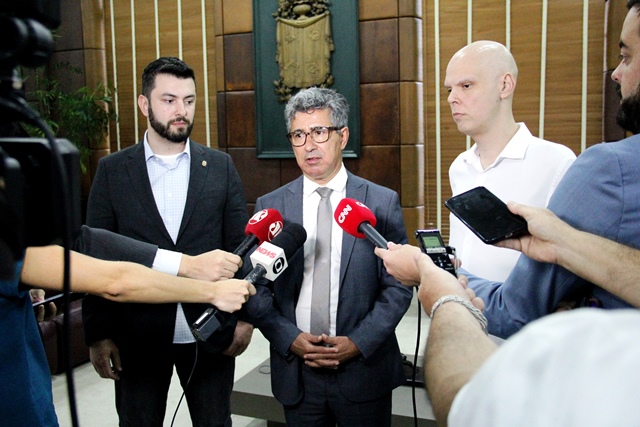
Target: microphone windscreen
[(350, 213), (290, 239), (264, 224)]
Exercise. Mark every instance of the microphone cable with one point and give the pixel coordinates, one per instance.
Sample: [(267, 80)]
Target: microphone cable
[(14, 102), (415, 365), (184, 389)]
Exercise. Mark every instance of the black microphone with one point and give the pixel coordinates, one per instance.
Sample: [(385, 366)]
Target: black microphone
[(358, 220), (263, 226), (269, 260)]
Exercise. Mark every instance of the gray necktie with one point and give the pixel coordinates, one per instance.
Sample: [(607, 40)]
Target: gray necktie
[(322, 266)]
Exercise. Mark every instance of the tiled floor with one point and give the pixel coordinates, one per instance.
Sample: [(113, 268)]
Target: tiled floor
[(95, 396)]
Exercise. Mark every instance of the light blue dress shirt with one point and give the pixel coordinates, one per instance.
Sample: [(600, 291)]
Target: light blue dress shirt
[(169, 178)]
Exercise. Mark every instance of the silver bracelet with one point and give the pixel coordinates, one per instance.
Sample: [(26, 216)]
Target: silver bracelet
[(455, 298)]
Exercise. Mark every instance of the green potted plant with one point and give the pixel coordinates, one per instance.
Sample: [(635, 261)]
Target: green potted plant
[(82, 116)]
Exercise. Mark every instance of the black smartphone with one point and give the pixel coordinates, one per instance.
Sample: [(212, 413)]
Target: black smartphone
[(431, 243), (486, 215)]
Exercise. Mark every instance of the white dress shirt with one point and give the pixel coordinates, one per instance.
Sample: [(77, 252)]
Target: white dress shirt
[(527, 171), (167, 261), (310, 201)]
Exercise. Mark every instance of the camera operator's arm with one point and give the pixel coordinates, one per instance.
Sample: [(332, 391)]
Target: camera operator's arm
[(608, 264), (128, 282)]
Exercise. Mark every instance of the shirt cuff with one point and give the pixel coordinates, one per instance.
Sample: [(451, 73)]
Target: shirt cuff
[(167, 261)]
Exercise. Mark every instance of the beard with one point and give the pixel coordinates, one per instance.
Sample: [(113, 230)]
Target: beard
[(177, 136), (628, 116)]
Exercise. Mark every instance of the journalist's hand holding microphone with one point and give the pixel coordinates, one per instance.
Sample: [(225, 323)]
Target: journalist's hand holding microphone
[(212, 266), (263, 226), (228, 295), (225, 293), (405, 272), (218, 264)]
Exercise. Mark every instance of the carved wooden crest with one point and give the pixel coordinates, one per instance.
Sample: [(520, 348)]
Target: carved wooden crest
[(304, 45)]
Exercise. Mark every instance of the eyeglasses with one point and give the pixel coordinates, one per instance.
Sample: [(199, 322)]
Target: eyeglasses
[(319, 134)]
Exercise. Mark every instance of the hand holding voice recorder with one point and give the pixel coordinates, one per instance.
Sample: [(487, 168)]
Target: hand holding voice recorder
[(431, 243)]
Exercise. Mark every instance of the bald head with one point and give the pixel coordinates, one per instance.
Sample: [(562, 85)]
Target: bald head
[(488, 56), (481, 79)]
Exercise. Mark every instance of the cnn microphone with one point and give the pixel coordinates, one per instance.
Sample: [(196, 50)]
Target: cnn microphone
[(263, 226), (358, 220), (269, 260)]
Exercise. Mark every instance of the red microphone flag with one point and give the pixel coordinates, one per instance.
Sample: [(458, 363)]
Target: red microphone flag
[(264, 225), (350, 213)]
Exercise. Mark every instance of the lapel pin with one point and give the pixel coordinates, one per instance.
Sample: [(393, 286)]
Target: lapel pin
[(204, 163)]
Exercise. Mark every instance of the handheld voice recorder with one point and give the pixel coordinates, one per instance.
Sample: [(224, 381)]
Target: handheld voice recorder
[(431, 243)]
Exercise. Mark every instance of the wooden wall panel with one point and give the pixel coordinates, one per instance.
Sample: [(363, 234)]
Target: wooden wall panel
[(169, 41), (489, 21), (181, 31), (108, 36), (546, 38), (571, 106), (563, 83), (580, 106), (595, 89), (145, 45), (127, 108), (192, 54), (526, 42), (443, 141)]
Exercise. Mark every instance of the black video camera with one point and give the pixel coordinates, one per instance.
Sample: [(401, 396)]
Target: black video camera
[(25, 36), (35, 173)]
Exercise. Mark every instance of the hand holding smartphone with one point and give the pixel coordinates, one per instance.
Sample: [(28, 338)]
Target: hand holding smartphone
[(486, 215)]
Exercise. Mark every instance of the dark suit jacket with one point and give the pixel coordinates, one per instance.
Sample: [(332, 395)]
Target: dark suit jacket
[(121, 200), (371, 302)]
